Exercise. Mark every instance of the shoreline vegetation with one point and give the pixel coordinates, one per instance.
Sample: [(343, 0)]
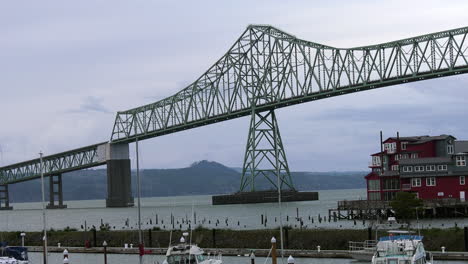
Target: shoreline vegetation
[(453, 239)]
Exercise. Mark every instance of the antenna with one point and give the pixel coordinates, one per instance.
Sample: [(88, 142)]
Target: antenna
[(191, 228)]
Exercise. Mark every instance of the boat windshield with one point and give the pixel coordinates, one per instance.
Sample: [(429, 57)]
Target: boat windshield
[(200, 258), (181, 259)]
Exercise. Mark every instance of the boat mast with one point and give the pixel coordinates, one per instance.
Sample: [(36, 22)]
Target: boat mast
[(43, 209), (140, 236), (275, 131)]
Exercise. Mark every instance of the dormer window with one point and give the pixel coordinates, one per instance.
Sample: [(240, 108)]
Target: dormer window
[(461, 161), (403, 145), (449, 149)]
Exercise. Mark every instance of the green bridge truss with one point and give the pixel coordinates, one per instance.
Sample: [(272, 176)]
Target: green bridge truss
[(266, 69), (77, 159)]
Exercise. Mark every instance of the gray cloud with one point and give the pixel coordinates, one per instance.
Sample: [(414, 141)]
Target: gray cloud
[(55, 54), (91, 104)]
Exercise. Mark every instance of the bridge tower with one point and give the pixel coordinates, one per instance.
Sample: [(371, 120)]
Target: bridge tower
[(4, 198), (264, 155), (119, 179), (56, 192)]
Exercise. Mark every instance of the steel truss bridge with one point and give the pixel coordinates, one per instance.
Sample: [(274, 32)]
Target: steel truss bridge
[(265, 69)]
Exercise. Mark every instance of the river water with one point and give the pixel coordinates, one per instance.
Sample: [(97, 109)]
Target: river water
[(157, 211), (28, 217)]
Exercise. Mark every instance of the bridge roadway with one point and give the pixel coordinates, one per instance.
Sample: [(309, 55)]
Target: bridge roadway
[(265, 69)]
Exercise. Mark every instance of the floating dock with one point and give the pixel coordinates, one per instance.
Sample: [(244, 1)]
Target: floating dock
[(264, 197)]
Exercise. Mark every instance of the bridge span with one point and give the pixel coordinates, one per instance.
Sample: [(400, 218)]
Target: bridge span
[(266, 68)]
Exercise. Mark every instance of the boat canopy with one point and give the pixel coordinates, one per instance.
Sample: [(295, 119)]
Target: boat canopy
[(401, 237)]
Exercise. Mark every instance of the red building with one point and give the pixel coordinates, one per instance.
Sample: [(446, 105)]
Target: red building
[(432, 167)]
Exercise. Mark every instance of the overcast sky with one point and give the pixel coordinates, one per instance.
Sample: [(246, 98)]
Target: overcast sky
[(66, 67)]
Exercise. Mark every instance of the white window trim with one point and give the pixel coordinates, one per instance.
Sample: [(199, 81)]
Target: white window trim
[(414, 181), (462, 180), (429, 181), (430, 168), (408, 169), (442, 167), (403, 145), (418, 168), (460, 161), (449, 149)]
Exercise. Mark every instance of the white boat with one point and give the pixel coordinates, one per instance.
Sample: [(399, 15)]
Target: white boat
[(13, 255), (401, 247), (186, 253), (362, 251)]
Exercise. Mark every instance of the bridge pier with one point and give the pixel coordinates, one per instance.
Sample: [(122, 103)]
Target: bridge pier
[(119, 177), (4, 198), (55, 191)]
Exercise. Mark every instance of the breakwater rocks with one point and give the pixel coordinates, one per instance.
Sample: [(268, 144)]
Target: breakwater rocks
[(452, 239)]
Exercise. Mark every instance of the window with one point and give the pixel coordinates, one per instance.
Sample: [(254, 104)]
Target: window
[(377, 170), (373, 185), (395, 168), (414, 155), (418, 168), (416, 182), (397, 156), (442, 167), (430, 168), (391, 184), (390, 147), (405, 156), (449, 149), (375, 161), (430, 181), (407, 169), (403, 145), (388, 196), (461, 161), (385, 159), (462, 180), (375, 196)]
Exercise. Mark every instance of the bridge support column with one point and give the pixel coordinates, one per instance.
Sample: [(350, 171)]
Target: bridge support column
[(119, 178), (4, 198), (264, 155), (55, 191)]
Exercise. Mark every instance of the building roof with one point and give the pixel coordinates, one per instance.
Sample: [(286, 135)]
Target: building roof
[(420, 139), (434, 160), (433, 174), (461, 146), (390, 173)]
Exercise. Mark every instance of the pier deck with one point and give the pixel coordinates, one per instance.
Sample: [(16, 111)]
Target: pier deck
[(367, 209)]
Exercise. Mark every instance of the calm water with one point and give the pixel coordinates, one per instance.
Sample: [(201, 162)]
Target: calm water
[(28, 216), (55, 258)]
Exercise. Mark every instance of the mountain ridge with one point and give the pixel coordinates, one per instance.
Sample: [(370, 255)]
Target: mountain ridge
[(200, 178)]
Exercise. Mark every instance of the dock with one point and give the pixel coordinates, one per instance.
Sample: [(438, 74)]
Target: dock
[(264, 197), (368, 209), (299, 253)]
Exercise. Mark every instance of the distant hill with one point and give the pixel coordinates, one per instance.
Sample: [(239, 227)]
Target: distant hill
[(203, 177)]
